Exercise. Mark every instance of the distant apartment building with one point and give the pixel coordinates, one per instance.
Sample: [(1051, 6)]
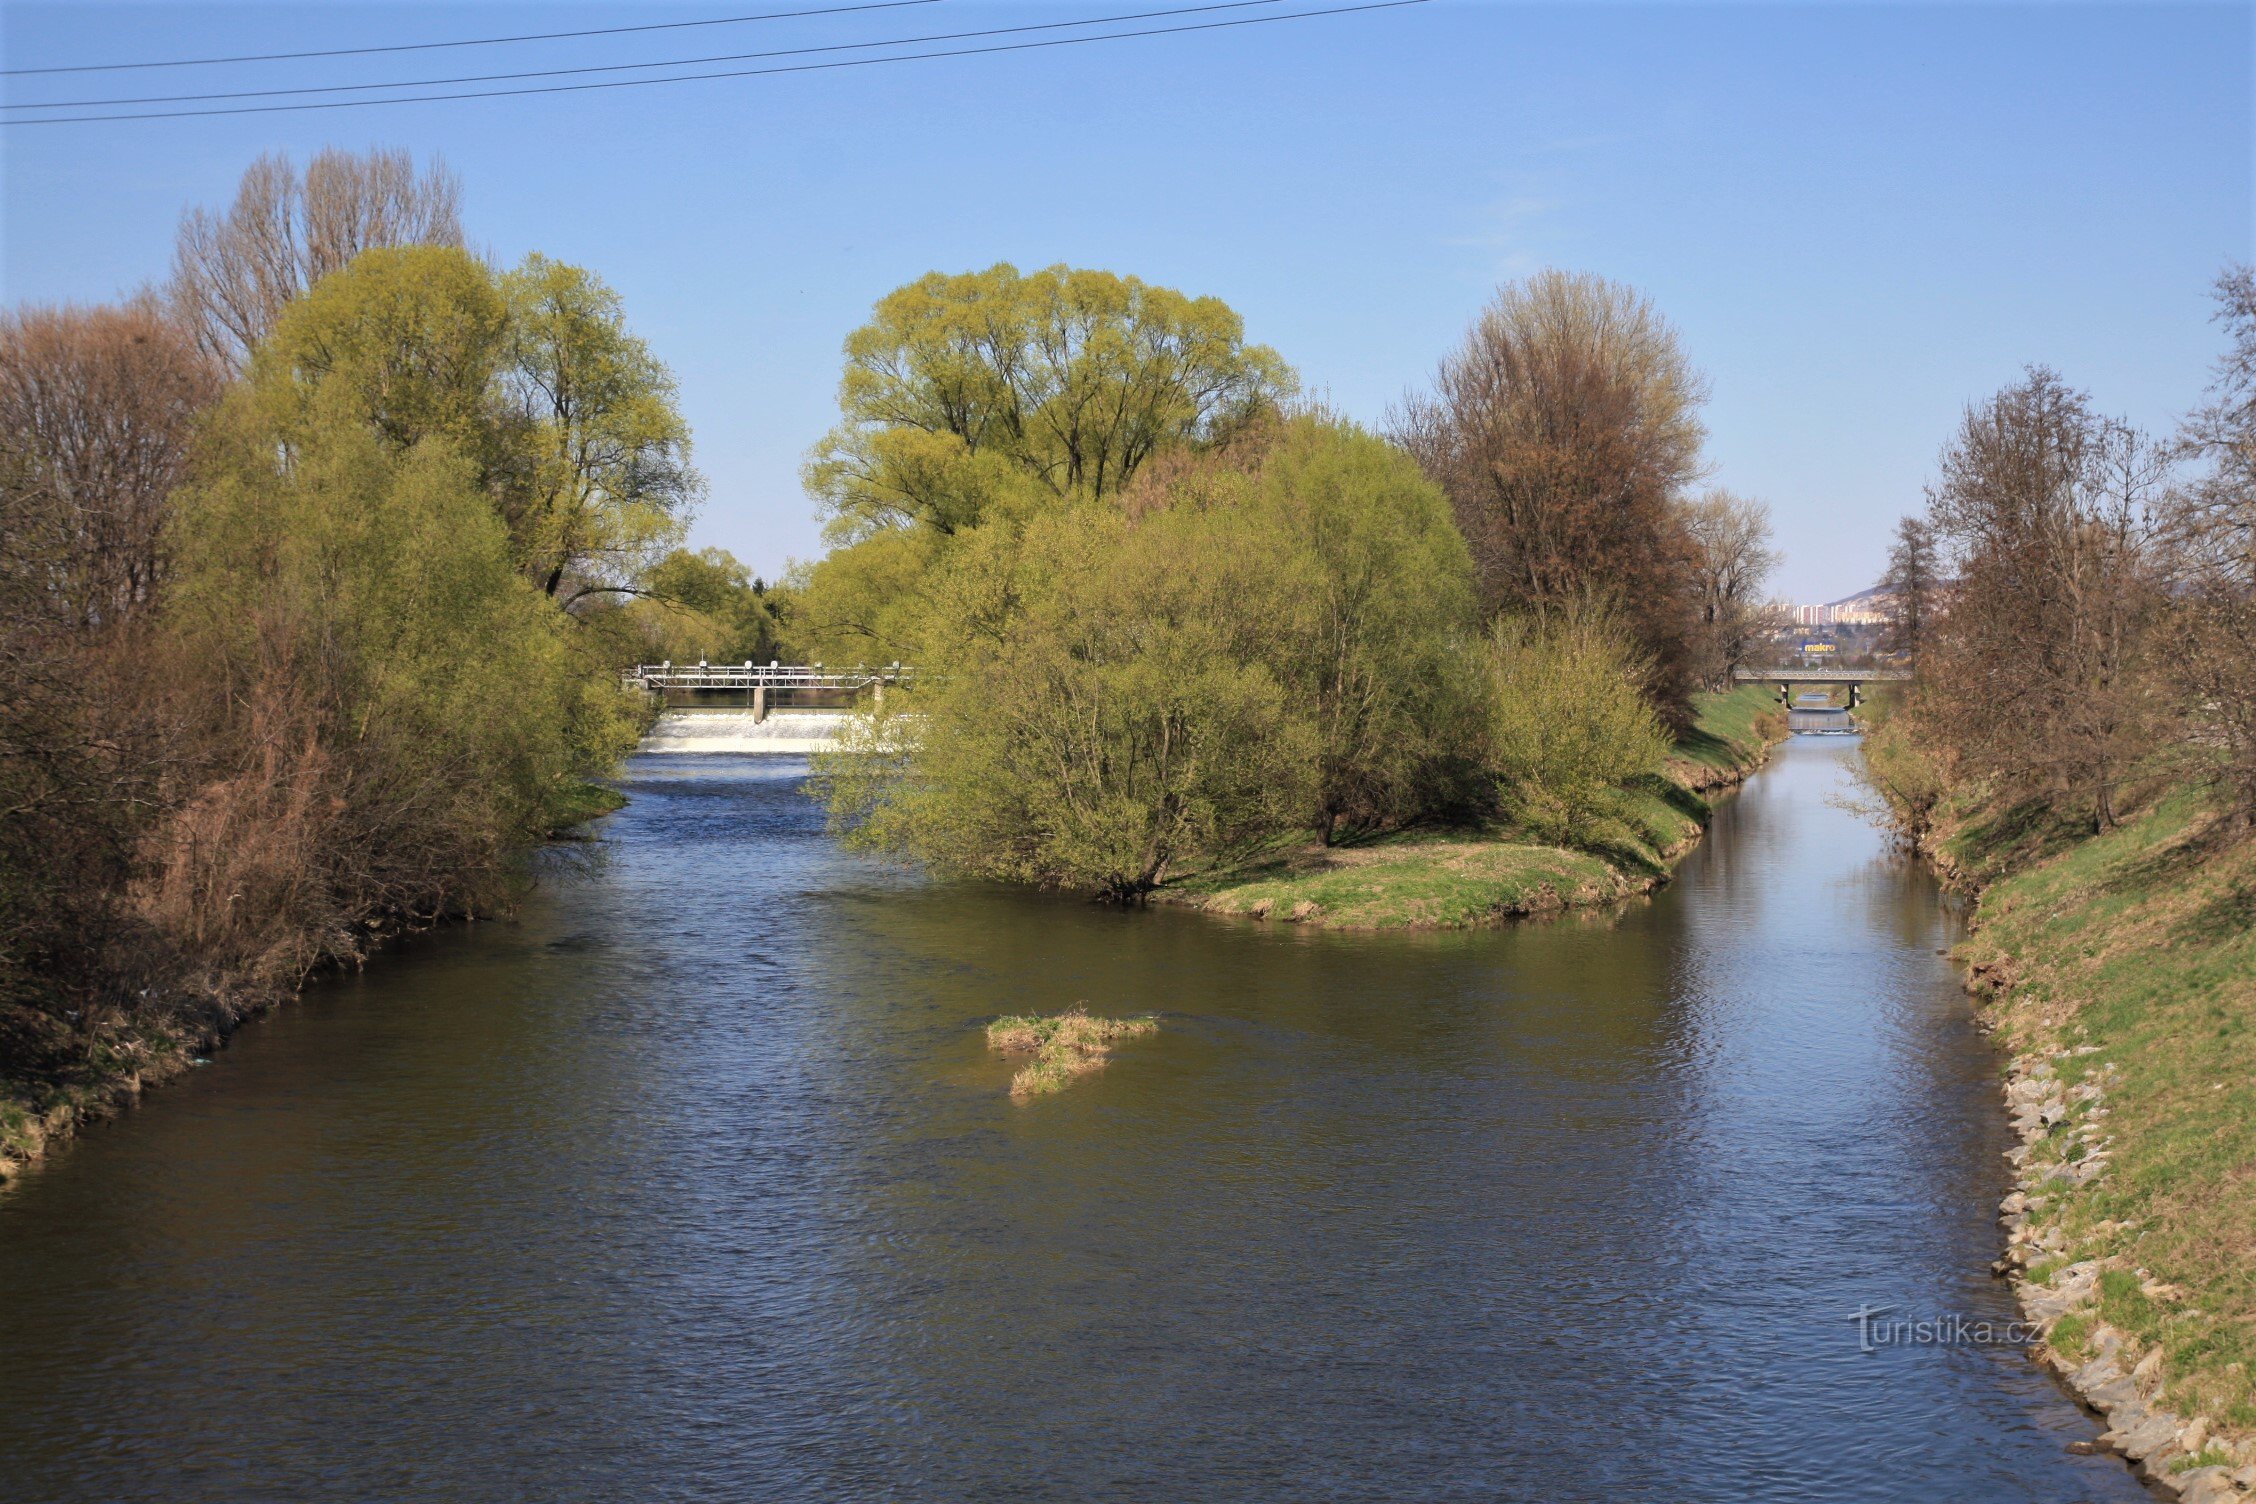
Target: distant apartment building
[(1867, 608)]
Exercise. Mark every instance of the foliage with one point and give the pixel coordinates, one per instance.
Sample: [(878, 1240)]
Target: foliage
[(97, 406), (707, 607), (532, 378), (1267, 637), (1730, 558), (1106, 717), (966, 392), (1568, 728), (2039, 680), (2211, 535), (360, 605), (301, 683), (1913, 585), (1374, 604), (603, 486)]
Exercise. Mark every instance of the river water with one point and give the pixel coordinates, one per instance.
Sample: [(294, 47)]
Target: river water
[(697, 1182)]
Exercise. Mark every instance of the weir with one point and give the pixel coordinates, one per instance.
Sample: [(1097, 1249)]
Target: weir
[(782, 732)]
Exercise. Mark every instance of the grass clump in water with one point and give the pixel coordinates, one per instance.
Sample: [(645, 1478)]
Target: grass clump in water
[(1064, 1045)]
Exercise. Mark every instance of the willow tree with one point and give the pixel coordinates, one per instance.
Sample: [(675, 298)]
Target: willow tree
[(532, 376), (1260, 641), (606, 484), (1065, 379)]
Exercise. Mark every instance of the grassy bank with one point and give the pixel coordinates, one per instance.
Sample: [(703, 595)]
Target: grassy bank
[(1437, 879), (2126, 963)]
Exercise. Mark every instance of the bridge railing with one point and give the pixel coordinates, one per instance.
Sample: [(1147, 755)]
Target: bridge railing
[(1791, 674), (701, 675)]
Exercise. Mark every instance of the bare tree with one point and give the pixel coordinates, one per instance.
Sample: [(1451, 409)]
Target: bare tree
[(2212, 529), (2039, 678), (1731, 558), (233, 273), (97, 406), (1912, 584), (1564, 430)]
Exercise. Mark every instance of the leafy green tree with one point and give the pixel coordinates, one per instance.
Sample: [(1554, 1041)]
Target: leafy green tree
[(604, 485), (1261, 639), (1568, 725), (706, 606), (533, 378), (1373, 605), (968, 390), (416, 335), (392, 710), (1105, 721)]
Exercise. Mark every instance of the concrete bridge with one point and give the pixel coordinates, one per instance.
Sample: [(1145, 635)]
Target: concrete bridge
[(756, 707), (764, 686), (1786, 677)]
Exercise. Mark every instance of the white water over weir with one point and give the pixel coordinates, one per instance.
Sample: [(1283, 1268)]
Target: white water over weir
[(781, 732), (756, 707)]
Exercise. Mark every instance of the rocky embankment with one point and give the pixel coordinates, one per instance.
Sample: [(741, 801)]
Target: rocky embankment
[(2065, 1149)]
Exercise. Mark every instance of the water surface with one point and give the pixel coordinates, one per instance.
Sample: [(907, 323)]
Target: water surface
[(696, 1182)]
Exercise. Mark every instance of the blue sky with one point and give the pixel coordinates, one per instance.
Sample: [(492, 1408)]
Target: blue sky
[(1859, 216)]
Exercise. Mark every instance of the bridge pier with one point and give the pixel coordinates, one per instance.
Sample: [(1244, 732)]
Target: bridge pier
[(759, 703)]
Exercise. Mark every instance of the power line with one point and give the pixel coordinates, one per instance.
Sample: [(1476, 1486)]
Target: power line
[(679, 62), (632, 83), (536, 36)]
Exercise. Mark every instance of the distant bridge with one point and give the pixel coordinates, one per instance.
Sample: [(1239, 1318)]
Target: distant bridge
[(1786, 676), (761, 683)]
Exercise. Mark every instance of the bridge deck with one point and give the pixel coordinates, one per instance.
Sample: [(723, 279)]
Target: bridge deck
[(763, 676), (1783, 674)]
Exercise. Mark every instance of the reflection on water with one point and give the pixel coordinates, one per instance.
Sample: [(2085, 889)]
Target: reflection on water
[(697, 1182)]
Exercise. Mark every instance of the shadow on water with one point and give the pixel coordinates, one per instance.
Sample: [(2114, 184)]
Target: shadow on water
[(698, 1182)]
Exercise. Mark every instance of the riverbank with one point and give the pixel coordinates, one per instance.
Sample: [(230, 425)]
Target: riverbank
[(2119, 973), (1446, 879), (139, 1054)]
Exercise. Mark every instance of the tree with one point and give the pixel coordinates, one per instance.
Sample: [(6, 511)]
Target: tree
[(609, 485), (414, 339), (393, 710), (1568, 726), (2038, 678), (234, 273), (1106, 720), (1731, 557), (97, 406), (1376, 606), (970, 389), (2211, 528), (707, 607), (1564, 430), (532, 378), (1911, 585)]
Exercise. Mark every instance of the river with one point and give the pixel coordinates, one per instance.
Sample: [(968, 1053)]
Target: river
[(696, 1181)]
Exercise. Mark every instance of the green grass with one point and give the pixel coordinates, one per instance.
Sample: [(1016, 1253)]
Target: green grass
[(1731, 730), (1444, 879), (2142, 943), (1064, 1046)]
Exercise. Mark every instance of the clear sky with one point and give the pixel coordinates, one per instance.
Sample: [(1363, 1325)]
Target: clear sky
[(1860, 216)]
